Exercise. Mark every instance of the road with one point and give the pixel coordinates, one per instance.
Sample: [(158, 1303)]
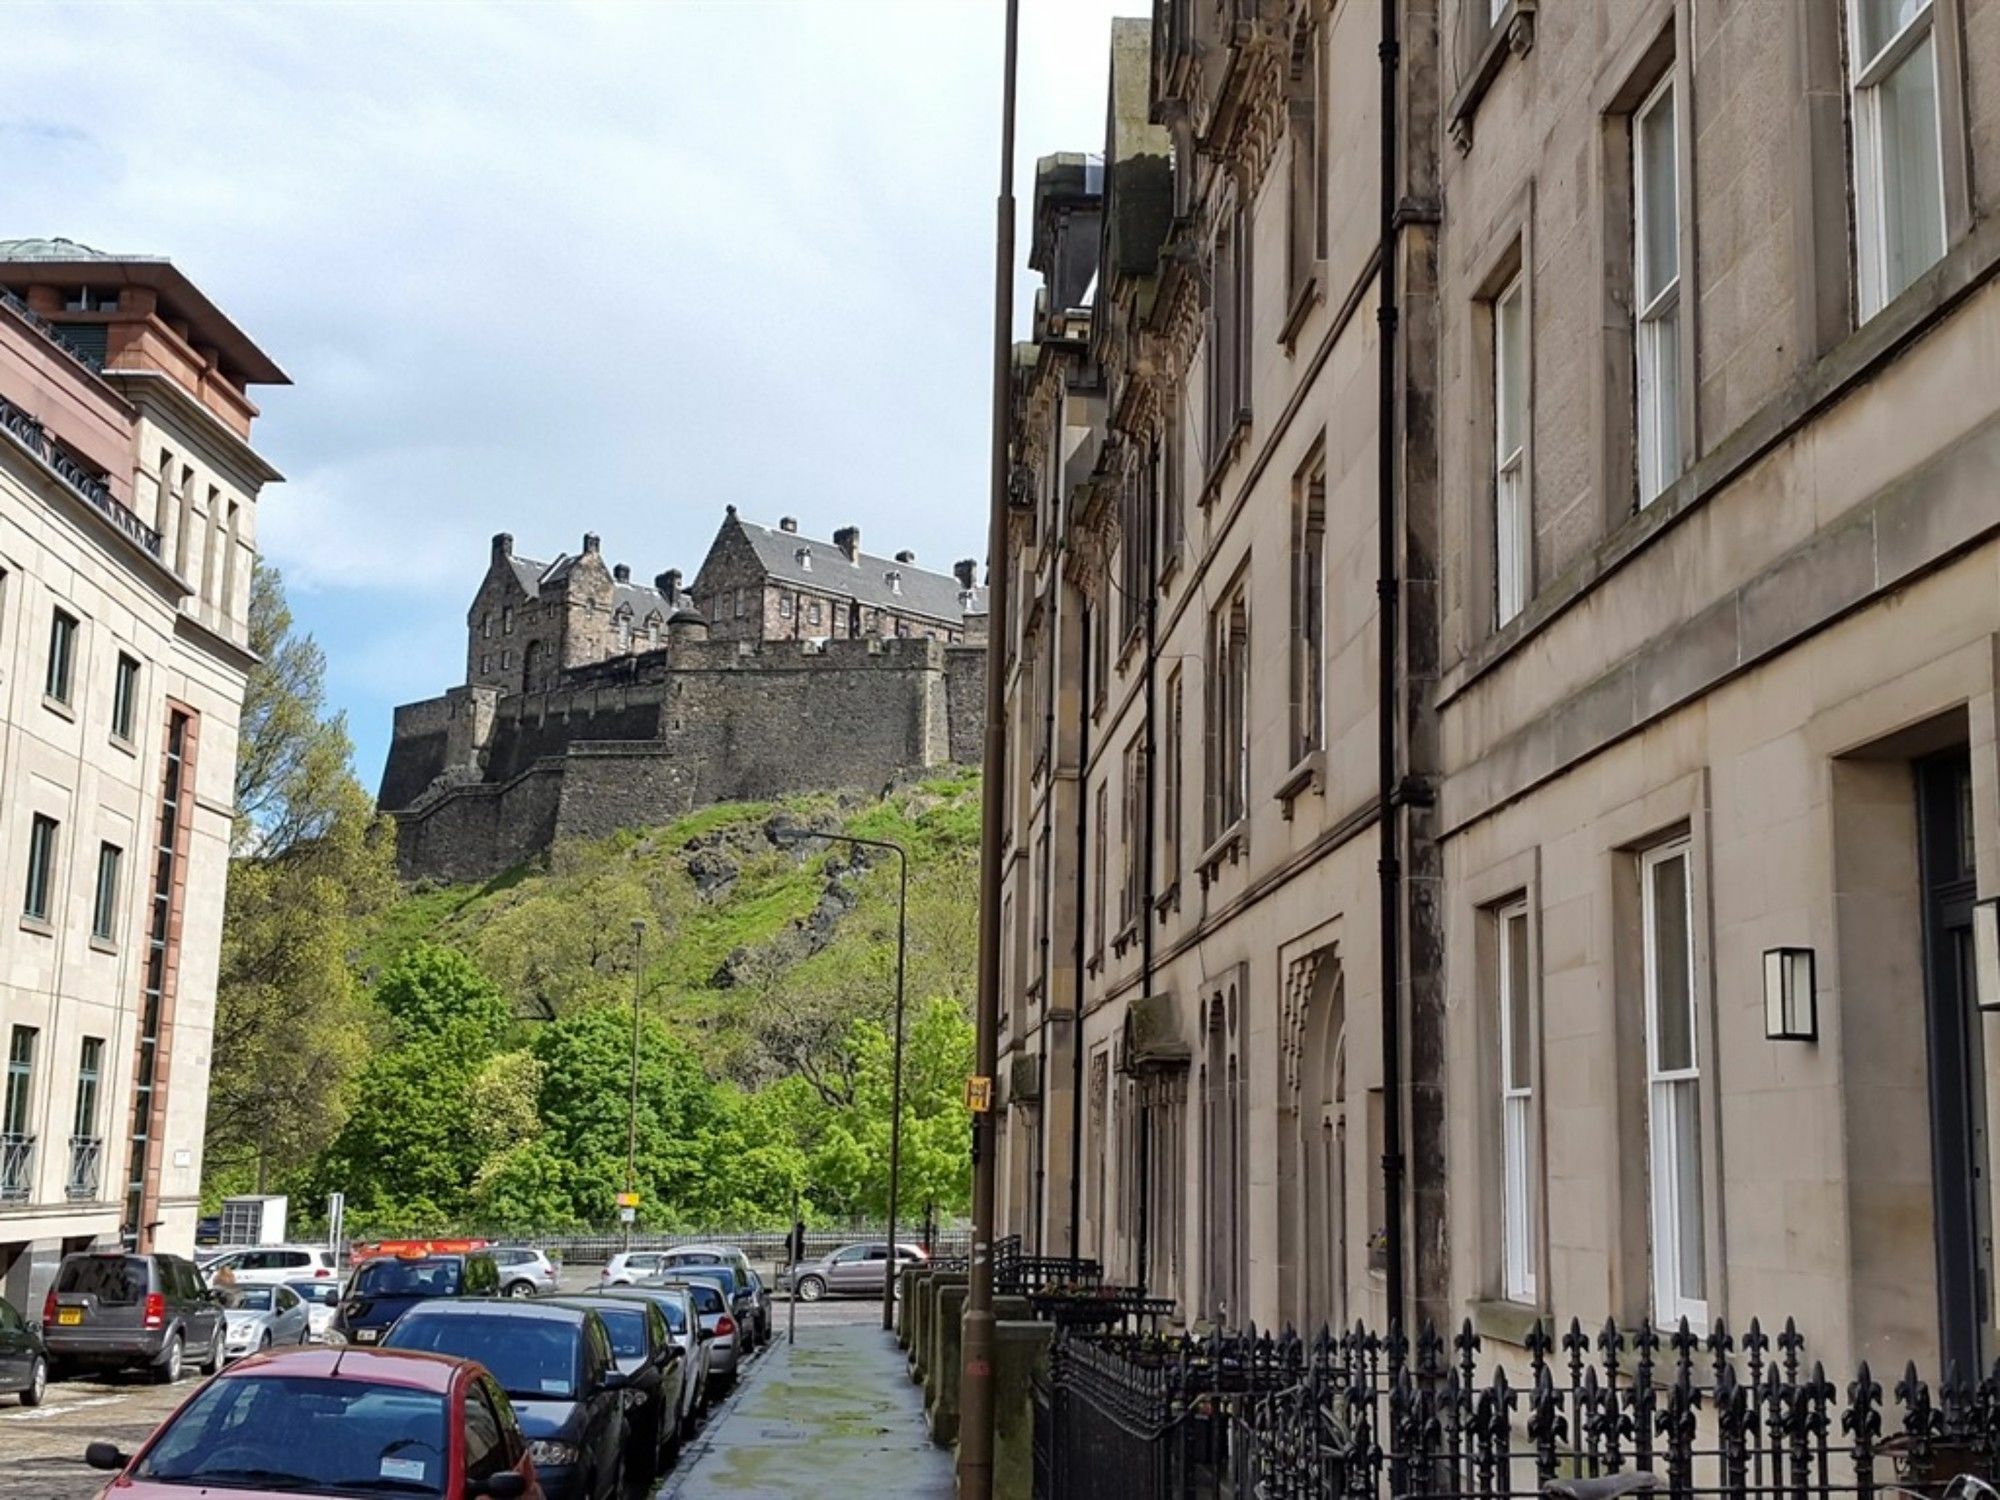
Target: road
[(41, 1451)]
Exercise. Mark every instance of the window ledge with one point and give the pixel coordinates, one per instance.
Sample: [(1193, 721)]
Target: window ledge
[(1170, 566), (1095, 963), (102, 944), (1128, 650), (1497, 1319), (1309, 775), (1127, 936), (1239, 435), (1304, 300), (1168, 900), (121, 742), (59, 708), (39, 926), (1231, 845), (1513, 31)]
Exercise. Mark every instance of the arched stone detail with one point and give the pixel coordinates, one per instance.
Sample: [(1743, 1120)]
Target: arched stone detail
[(1294, 1007)]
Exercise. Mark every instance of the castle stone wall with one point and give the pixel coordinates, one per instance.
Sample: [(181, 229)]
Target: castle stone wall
[(606, 787), (418, 751), (472, 832), (965, 703), (532, 726)]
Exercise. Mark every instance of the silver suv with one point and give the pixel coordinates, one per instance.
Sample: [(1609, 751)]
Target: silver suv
[(524, 1271), (152, 1311)]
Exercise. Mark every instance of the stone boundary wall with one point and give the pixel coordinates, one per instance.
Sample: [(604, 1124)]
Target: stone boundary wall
[(475, 830), (965, 703)]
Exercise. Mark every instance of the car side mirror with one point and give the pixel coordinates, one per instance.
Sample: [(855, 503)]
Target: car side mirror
[(105, 1456), (707, 1335), (614, 1380), (503, 1486)]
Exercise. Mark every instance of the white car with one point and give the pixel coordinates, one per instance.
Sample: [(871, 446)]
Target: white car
[(631, 1267), (273, 1265), (256, 1318), (322, 1299)]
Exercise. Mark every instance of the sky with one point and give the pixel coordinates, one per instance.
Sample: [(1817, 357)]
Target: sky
[(549, 268)]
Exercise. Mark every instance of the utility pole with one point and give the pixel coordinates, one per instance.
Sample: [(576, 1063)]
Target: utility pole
[(975, 1428), (629, 1210)]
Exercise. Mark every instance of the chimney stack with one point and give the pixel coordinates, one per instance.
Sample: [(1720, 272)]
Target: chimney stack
[(964, 570), (669, 583), (621, 573), (591, 542), (503, 545), (848, 540), (788, 523), (906, 558)]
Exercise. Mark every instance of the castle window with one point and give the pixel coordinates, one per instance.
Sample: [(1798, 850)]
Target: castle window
[(621, 628), (739, 604), (507, 619), (506, 660), (812, 613), (784, 606), (486, 626), (486, 662), (653, 629)]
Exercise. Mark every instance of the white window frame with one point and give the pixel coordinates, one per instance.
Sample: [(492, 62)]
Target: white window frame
[(1866, 75), (1517, 1105), (1656, 334), (1512, 544), (1669, 1091)]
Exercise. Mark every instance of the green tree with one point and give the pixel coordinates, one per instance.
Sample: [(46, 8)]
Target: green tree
[(311, 863), (433, 991)]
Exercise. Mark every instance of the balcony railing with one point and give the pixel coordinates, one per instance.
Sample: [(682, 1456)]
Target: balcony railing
[(80, 350), (32, 436), (17, 1167), (86, 1154)]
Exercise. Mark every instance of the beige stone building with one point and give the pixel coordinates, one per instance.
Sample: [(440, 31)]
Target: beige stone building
[(128, 494), (1696, 546)]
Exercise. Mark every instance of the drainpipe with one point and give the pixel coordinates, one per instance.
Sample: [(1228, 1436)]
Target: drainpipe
[(1387, 594), (1076, 994), (1041, 876), (1150, 872)]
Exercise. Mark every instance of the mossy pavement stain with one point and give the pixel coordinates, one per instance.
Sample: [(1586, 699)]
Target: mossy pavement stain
[(834, 1414)]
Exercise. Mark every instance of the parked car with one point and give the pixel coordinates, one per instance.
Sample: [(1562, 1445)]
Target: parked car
[(761, 1304), (208, 1229), (629, 1266), (256, 1319), (322, 1300), (742, 1300), (271, 1265), (108, 1307), (383, 1289), (334, 1421), (758, 1325), (24, 1363), (676, 1304), (852, 1269), (712, 1308), (524, 1271), (655, 1370), (556, 1366)]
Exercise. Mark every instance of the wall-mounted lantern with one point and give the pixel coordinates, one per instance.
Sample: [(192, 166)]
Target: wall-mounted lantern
[(1791, 1008), (1986, 951)]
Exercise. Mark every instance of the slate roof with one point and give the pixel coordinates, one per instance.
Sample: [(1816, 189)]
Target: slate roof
[(531, 575), (826, 570)]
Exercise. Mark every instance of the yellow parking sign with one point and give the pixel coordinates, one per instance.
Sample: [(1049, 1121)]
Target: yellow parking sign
[(979, 1094), (628, 1200)]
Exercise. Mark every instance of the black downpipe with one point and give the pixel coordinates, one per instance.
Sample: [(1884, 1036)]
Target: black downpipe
[(1151, 870), (1388, 598), (1076, 994), (1042, 959)]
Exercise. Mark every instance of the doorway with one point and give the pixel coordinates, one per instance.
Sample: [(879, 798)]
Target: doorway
[(1961, 1185)]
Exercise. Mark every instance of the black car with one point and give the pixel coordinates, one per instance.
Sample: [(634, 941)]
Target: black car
[(383, 1289), (653, 1365), (735, 1288), (24, 1363), (557, 1367)]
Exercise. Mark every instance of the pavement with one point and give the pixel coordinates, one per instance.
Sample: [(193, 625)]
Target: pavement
[(834, 1412)]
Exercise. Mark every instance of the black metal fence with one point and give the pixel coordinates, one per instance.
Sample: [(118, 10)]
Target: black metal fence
[(1367, 1417)]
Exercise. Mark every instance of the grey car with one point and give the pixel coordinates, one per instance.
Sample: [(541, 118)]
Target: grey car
[(850, 1270), (108, 1307), (256, 1318), (717, 1325), (684, 1323), (524, 1271)]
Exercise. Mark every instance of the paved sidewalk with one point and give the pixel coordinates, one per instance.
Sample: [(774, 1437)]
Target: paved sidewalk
[(834, 1414)]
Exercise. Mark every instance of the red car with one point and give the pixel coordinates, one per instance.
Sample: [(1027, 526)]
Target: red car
[(334, 1421)]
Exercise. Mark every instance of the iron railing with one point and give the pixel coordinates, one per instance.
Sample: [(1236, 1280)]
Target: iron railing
[(86, 1157), (17, 1167), (30, 434), (1366, 1417)]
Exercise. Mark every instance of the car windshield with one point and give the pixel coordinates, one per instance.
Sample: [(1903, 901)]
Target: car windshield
[(534, 1359), (305, 1437), (246, 1298), (627, 1326), (707, 1297), (721, 1276), (324, 1292), (674, 1314), (114, 1280), (407, 1278)]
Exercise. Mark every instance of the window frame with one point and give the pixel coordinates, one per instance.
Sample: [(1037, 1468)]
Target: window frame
[(1228, 758), (59, 678), (89, 1089), (1513, 565), (1656, 321), (1519, 1280), (125, 697), (44, 843), (1670, 1300), (104, 898), (17, 1102), (1865, 79), (1309, 608)]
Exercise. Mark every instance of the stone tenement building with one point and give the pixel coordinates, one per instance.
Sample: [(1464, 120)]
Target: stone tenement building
[(592, 703), (1665, 370), (128, 503)]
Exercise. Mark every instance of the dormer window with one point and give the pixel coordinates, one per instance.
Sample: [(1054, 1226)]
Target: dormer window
[(804, 558), (895, 581), (91, 299)]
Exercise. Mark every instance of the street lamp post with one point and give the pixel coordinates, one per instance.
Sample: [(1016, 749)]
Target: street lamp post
[(896, 1069), (628, 1211)]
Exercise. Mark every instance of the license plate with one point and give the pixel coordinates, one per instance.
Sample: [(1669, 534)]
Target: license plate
[(69, 1317), (364, 1335)]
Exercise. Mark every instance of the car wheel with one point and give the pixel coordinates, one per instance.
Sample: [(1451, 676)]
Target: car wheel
[(38, 1383), (213, 1361), (811, 1288), (167, 1368), (264, 1343), (520, 1289)]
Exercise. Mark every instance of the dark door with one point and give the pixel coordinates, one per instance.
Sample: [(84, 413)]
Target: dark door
[(1959, 1177), (17, 1356)]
